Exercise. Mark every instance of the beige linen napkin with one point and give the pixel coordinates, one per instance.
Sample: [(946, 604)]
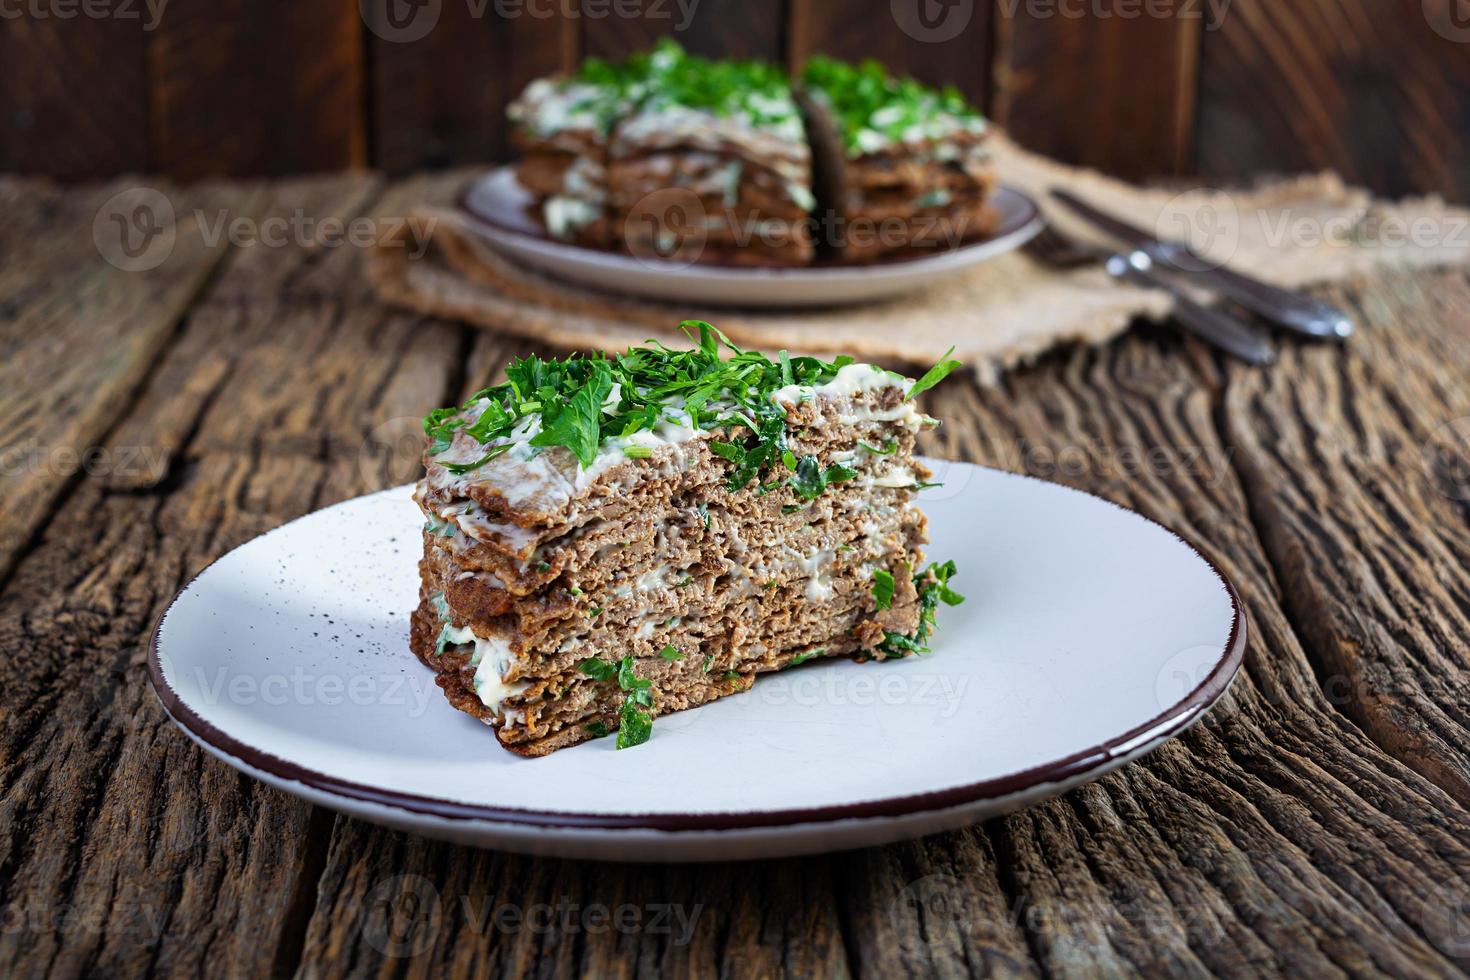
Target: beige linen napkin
[(1005, 311)]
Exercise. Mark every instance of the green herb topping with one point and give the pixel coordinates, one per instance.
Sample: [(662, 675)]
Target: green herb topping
[(581, 403), (806, 655), (635, 723), (872, 107), (882, 589), (933, 586)]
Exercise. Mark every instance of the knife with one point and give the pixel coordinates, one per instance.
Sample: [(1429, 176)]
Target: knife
[(1226, 332), (1294, 311)]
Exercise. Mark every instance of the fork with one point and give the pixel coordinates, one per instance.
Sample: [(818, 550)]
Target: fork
[(1228, 333)]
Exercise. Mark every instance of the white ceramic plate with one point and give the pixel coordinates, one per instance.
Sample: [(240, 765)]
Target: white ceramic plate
[(1090, 636), (497, 203)]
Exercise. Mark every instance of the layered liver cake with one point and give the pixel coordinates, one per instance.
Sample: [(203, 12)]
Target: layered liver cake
[(609, 539)]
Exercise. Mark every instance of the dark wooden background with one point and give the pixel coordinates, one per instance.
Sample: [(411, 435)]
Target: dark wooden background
[(1377, 89)]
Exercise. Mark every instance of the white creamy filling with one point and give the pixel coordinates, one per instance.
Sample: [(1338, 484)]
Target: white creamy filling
[(564, 214), (491, 659), (849, 380)]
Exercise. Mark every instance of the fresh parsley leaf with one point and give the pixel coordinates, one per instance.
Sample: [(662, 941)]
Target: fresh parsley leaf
[(598, 669), (670, 653), (637, 452), (935, 374), (459, 469), (811, 479), (806, 655), (933, 586), (597, 729), (882, 588), (635, 726), (576, 423)]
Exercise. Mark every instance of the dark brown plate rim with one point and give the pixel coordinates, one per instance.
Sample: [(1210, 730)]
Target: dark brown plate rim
[(1156, 731)]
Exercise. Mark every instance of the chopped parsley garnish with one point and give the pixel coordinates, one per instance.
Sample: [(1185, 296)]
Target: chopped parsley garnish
[(888, 450), (708, 663), (866, 98), (444, 529), (882, 588), (806, 655), (443, 640), (543, 567), (731, 675), (811, 479), (597, 729), (598, 669), (933, 586), (635, 724), (459, 469), (583, 402), (704, 513), (670, 653), (935, 374)]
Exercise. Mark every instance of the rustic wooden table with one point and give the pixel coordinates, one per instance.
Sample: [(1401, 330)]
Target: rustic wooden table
[(1316, 823)]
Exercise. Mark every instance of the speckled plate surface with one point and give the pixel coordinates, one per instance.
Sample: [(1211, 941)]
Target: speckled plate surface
[(498, 203), (1090, 636)]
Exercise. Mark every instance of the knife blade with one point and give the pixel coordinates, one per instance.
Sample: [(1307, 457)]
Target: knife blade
[(1292, 310)]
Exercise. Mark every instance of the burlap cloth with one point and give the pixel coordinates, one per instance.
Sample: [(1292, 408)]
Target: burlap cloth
[(1291, 232)]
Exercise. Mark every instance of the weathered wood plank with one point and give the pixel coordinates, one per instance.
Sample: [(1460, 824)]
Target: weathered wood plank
[(441, 80), (1109, 86), (73, 91), (1379, 91), (257, 87), (750, 29), (1273, 837), (1356, 460), (85, 306), (952, 48), (177, 864)]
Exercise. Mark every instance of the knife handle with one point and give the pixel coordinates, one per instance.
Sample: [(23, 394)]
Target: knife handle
[(1295, 311)]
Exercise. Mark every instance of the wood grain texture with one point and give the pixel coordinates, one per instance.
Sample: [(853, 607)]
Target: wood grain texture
[(124, 850), (939, 44), (263, 87), (1377, 89), (1108, 85), (1294, 831), (87, 328), (439, 99), (1357, 464), (713, 28), (73, 94)]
